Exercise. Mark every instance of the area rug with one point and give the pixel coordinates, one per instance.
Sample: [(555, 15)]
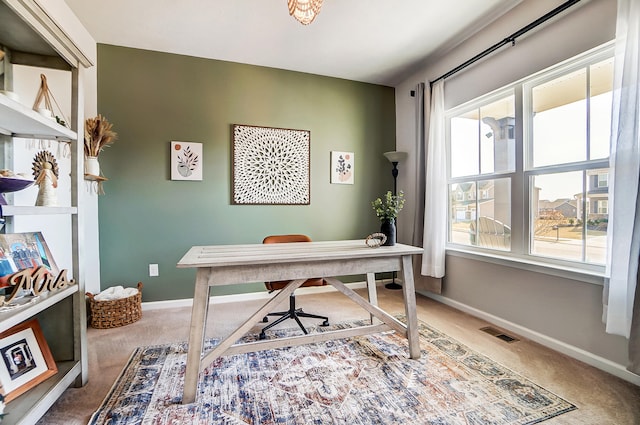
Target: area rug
[(360, 380)]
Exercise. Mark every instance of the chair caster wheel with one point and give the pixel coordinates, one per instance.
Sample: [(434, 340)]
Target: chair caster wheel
[(325, 323), (262, 336), (265, 319)]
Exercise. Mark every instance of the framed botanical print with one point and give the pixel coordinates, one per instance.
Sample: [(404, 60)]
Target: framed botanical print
[(342, 167), (186, 161)]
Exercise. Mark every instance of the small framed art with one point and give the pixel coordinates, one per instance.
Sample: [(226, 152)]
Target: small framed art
[(186, 161), (342, 167), (26, 359)]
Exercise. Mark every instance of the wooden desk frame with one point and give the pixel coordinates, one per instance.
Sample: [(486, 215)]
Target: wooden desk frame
[(234, 264)]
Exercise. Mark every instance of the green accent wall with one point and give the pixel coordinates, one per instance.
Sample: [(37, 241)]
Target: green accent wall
[(154, 98)]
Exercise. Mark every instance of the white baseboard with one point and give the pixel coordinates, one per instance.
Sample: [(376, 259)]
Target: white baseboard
[(577, 353), (250, 296)]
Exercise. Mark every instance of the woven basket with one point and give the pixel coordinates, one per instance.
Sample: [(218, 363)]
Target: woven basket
[(115, 313)]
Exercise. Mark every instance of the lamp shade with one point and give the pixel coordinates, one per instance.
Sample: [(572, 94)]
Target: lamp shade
[(305, 11), (396, 156)]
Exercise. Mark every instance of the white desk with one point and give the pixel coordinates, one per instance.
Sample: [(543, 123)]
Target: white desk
[(297, 261)]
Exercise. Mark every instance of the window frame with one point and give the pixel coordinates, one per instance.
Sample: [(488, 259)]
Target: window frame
[(605, 180), (520, 254), (480, 177), (602, 206)]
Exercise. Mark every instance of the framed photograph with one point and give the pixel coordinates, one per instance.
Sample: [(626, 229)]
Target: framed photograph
[(342, 171), (19, 251), (271, 166), (26, 359), (186, 161)]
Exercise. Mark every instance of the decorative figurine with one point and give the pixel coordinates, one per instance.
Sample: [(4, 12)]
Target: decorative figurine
[(45, 171)]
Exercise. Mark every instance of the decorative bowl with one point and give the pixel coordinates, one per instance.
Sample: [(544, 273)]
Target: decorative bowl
[(12, 184)]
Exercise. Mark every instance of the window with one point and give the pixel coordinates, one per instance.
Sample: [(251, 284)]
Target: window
[(603, 180), (482, 148), (603, 207), (545, 164)]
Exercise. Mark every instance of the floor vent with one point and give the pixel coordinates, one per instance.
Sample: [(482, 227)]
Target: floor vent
[(498, 334)]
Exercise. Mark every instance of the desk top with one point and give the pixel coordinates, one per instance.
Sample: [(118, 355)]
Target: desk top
[(292, 252)]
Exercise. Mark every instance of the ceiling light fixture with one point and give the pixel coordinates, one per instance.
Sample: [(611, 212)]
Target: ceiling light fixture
[(305, 11)]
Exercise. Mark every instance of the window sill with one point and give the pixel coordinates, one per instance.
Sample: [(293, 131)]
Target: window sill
[(580, 274)]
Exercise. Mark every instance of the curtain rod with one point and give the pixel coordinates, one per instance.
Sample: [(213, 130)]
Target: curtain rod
[(511, 39)]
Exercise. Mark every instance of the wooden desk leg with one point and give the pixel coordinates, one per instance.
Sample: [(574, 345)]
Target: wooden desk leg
[(410, 307), (372, 292), (196, 335)]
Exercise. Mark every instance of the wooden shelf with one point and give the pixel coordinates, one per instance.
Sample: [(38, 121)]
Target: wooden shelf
[(17, 315), (94, 178), (30, 406), (17, 120)]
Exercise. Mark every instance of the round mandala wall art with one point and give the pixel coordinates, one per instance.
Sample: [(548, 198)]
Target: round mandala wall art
[(271, 166)]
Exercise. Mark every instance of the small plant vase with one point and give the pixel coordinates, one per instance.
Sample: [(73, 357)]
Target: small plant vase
[(92, 166), (388, 228)]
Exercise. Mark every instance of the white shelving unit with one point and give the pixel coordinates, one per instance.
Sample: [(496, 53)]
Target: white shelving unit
[(29, 35), (17, 120)]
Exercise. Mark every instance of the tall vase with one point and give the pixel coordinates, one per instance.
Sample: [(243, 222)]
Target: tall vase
[(388, 227), (92, 166)]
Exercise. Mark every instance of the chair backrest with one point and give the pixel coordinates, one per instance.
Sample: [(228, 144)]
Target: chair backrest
[(286, 238), (273, 286), (491, 233)]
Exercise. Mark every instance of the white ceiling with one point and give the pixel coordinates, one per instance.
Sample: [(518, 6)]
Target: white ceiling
[(375, 41)]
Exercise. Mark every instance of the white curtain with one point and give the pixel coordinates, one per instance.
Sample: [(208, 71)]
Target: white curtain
[(435, 197), (624, 232)]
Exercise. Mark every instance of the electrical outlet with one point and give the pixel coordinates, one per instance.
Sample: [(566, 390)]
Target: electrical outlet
[(153, 270)]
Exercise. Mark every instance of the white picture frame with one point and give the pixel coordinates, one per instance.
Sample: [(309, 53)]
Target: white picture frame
[(186, 161), (342, 167)]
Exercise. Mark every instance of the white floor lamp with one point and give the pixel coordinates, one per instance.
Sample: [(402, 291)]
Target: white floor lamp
[(394, 158)]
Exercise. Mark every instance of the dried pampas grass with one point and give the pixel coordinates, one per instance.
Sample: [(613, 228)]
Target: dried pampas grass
[(97, 135)]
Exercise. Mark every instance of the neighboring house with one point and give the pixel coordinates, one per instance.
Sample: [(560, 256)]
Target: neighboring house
[(465, 205), (597, 203), (566, 207)]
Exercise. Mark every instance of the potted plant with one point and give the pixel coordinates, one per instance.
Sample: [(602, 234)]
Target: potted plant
[(387, 210)]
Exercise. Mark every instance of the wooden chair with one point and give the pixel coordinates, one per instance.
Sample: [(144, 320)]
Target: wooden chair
[(490, 233), (293, 312)]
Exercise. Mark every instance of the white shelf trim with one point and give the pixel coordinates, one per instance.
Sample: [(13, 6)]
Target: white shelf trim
[(20, 121), (11, 318), (10, 210), (29, 407)]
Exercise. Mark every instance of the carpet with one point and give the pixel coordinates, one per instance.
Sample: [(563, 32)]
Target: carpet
[(360, 380)]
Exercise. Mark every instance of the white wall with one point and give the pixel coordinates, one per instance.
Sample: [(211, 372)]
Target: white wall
[(55, 229), (562, 313), (89, 198)]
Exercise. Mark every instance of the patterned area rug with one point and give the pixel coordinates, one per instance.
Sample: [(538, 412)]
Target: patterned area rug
[(361, 380)]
